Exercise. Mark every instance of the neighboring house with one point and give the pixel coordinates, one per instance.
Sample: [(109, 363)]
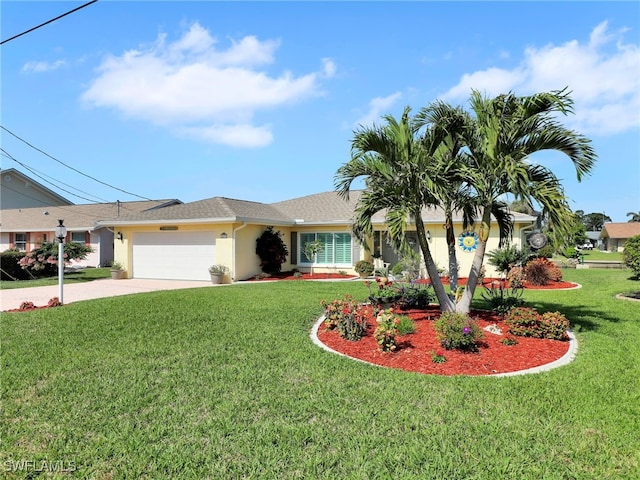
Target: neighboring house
[(21, 191), (614, 235), (594, 239), (26, 228), (182, 241)]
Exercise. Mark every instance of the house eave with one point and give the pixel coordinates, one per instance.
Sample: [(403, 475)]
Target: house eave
[(191, 221)]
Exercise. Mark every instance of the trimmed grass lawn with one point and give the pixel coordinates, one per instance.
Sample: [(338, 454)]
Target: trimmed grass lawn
[(225, 383), (80, 276)]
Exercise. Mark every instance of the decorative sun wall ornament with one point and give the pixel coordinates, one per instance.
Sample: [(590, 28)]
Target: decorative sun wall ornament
[(468, 241)]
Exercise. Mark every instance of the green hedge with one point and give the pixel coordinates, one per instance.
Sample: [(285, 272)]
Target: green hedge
[(11, 270)]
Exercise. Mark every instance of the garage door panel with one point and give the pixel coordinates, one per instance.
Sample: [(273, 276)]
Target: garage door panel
[(173, 255)]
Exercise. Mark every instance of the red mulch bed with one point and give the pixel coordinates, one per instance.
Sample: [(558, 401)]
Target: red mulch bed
[(303, 276), (414, 350), (496, 282)]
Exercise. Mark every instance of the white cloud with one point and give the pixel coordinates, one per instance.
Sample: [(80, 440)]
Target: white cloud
[(603, 76), (39, 67), (237, 135), (378, 107), (329, 67), (193, 85)]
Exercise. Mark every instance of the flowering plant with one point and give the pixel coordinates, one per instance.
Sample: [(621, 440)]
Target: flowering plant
[(457, 330), (44, 259), (347, 315), (384, 291), (387, 330), (27, 306), (438, 356)]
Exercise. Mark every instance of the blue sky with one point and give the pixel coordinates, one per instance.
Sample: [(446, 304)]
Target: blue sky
[(259, 100)]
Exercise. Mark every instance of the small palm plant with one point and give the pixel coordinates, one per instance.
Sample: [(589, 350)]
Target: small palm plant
[(311, 249)]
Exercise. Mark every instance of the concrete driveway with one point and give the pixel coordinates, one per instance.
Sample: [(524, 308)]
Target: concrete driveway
[(13, 298)]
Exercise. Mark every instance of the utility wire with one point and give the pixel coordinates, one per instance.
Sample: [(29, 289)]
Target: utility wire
[(44, 179), (51, 179), (70, 167), (69, 208), (48, 21)]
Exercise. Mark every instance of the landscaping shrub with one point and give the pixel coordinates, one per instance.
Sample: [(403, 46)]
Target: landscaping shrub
[(387, 330), (11, 269), (364, 268), (527, 322), (43, 261), (501, 299), (271, 250), (541, 271), (546, 252), (458, 331), (506, 258), (415, 295), (406, 325), (570, 252), (631, 255), (516, 277), (554, 325), (348, 316)]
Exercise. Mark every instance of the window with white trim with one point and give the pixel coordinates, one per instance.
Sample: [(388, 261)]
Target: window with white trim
[(78, 237), (20, 242), (337, 248)]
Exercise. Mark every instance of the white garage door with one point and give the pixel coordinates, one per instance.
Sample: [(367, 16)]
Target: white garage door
[(173, 255)]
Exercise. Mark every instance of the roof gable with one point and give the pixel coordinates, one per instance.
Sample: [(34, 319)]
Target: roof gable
[(19, 190), (620, 230)]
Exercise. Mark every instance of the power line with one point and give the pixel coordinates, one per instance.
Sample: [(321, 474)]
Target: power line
[(8, 155), (33, 170), (47, 22), (69, 166), (69, 208)]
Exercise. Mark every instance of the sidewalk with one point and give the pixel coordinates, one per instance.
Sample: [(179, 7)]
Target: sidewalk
[(13, 298)]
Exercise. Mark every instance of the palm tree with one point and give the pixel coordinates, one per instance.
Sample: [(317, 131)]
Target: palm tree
[(447, 181), (506, 130), (635, 217), (394, 160)]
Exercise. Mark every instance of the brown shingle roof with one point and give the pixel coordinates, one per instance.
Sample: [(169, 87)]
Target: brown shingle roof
[(76, 217), (620, 230), (326, 208), (216, 209)]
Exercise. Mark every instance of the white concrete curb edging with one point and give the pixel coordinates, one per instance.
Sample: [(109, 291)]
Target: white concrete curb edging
[(564, 360)]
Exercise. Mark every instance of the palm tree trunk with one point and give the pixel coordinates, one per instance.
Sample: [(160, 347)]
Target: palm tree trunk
[(453, 259), (464, 305), (446, 304)]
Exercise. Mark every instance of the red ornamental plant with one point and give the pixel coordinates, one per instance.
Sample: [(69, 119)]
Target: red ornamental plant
[(54, 302), (527, 322), (541, 271), (27, 306), (348, 316), (438, 356)]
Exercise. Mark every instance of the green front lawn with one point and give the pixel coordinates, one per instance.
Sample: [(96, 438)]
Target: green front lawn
[(225, 383), (79, 276), (600, 255)]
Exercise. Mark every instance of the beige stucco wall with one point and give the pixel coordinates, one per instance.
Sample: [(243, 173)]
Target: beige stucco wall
[(123, 249), (237, 251), (440, 253)]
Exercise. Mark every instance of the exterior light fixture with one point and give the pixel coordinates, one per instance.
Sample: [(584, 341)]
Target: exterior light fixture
[(428, 235), (223, 235), (119, 236), (61, 233)]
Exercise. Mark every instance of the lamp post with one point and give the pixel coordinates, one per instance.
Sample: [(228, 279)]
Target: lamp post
[(61, 233)]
